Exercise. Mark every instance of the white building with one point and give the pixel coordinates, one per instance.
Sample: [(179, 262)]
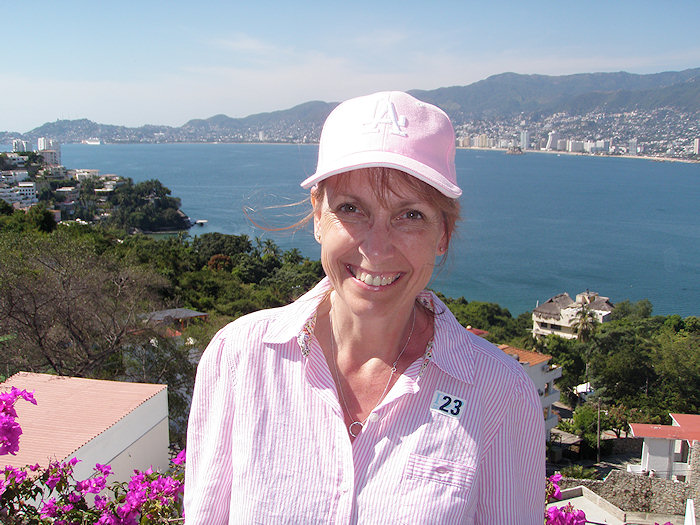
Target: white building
[(543, 376), (668, 449), (124, 425), (19, 145), (44, 143), (558, 314), (13, 176), (574, 146), (552, 140), (16, 159), (696, 146), (84, 174), (524, 140), (51, 157), (23, 193), (632, 147), (602, 146)]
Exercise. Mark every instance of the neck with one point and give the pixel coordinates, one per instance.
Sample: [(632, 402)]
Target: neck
[(360, 339)]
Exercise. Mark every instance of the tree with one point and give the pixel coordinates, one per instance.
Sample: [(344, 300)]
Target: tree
[(5, 208), (70, 310), (586, 425), (570, 356), (625, 310), (585, 323)]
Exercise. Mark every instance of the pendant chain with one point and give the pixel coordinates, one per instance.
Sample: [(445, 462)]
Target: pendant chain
[(334, 357)]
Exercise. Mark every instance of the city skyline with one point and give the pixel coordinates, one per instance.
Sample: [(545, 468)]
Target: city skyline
[(166, 63)]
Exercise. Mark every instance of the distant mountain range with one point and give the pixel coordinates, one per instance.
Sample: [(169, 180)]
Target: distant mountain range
[(503, 96)]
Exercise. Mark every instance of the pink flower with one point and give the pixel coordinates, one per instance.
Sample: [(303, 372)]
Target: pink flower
[(53, 480), (180, 458), (565, 515), (100, 503), (9, 434), (49, 509), (105, 470), (8, 399)]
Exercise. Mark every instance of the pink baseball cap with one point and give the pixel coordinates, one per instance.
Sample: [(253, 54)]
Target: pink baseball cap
[(389, 129)]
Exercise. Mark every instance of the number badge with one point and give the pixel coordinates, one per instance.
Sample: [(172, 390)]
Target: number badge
[(447, 405)]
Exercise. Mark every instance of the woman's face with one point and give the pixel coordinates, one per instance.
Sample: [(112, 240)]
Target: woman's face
[(378, 253)]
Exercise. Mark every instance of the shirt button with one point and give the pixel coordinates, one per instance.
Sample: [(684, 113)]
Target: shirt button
[(344, 488), (373, 418)]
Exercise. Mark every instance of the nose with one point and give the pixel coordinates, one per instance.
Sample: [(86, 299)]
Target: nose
[(377, 244)]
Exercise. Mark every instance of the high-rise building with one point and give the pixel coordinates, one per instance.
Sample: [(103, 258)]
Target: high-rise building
[(19, 145), (524, 140), (50, 150), (632, 147), (552, 140), (696, 146)]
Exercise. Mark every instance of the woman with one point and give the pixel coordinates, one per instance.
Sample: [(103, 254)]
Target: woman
[(365, 401)]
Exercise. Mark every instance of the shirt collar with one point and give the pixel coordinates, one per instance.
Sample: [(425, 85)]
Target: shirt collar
[(452, 350), (299, 317)]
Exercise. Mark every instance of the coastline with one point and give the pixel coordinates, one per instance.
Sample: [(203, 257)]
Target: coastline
[(583, 154)]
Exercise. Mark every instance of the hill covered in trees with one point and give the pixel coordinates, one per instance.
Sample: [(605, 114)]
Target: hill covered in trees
[(504, 96)]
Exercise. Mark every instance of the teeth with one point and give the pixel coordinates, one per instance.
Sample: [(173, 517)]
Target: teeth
[(375, 280)]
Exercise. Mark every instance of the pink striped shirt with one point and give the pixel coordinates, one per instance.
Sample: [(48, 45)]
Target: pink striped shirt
[(458, 439)]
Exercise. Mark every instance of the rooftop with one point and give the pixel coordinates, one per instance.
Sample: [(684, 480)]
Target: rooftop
[(525, 356), (687, 428), (70, 411)]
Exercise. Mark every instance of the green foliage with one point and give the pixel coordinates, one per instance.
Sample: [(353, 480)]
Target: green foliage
[(579, 472), (641, 367), (585, 425), (626, 310), (570, 355), (37, 219), (497, 321), (146, 206), (5, 208)]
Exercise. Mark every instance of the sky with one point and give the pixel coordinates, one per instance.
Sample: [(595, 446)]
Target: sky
[(155, 62)]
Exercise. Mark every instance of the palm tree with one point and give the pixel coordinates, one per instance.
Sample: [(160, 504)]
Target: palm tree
[(585, 323)]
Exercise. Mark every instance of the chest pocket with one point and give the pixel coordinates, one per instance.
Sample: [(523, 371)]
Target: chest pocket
[(435, 490)]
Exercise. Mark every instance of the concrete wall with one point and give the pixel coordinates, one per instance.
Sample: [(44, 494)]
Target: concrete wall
[(137, 441), (640, 494)]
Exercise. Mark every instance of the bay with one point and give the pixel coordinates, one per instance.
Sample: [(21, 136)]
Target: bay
[(535, 225)]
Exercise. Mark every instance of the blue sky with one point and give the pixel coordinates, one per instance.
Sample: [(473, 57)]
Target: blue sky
[(153, 62)]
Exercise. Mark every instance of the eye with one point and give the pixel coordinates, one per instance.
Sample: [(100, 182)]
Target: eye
[(412, 215), (348, 208)]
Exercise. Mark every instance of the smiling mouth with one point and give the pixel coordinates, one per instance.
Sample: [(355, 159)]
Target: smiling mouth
[(373, 279)]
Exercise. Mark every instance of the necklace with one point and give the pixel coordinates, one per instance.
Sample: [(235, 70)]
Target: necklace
[(361, 424)]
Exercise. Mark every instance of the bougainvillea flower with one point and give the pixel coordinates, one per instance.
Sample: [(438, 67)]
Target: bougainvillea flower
[(180, 458), (9, 435)]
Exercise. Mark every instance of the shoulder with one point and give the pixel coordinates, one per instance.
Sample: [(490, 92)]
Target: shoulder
[(268, 327), (476, 361)]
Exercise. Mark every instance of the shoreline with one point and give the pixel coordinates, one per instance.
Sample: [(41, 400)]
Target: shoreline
[(583, 154), (504, 150)]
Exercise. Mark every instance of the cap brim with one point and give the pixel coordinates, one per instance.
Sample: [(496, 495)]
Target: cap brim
[(375, 159)]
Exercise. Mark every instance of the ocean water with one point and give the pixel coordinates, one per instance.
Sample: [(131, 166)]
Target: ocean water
[(534, 225)]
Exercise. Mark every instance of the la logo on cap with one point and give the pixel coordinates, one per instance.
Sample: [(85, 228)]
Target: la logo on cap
[(385, 113)]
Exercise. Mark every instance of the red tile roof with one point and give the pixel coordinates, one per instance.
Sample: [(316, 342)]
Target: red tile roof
[(688, 428), (70, 412), (525, 356), (477, 331)]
